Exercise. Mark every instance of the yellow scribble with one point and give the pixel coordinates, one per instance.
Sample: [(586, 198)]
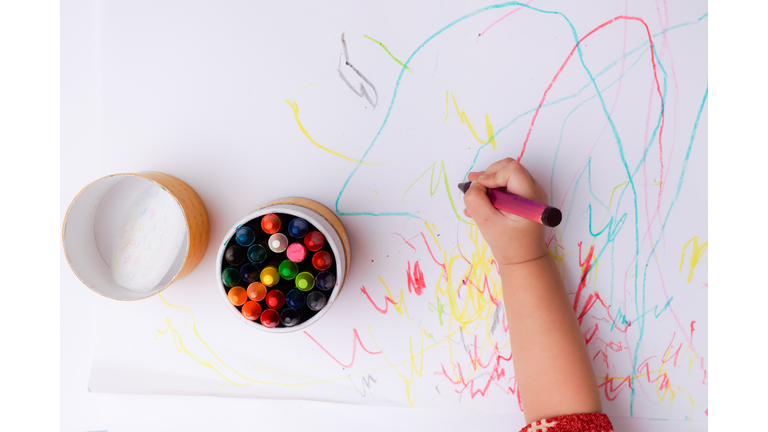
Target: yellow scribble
[(232, 376), (465, 120), (444, 173), (414, 370), (295, 107), (480, 285), (696, 254)]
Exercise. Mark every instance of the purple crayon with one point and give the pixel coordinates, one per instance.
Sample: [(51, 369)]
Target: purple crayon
[(523, 207)]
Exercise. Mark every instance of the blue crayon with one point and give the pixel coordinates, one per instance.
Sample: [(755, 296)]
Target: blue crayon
[(245, 236), (249, 272), (325, 280), (298, 228), (295, 299)]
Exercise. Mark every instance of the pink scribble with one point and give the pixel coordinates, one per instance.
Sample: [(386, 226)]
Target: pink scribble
[(355, 341), (497, 21)]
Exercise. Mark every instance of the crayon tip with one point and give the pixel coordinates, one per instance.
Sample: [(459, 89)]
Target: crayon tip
[(551, 217), (463, 187), (268, 280), (302, 283)]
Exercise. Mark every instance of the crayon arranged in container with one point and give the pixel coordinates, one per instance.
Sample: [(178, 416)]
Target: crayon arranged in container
[(275, 299), (256, 291), (305, 281), (249, 272), (278, 270), (322, 260), (257, 254), (288, 270), (245, 236), (290, 317), (296, 252), (298, 228), (316, 300), (237, 295), (235, 255), (270, 318), (295, 299), (325, 280), (314, 241), (271, 223), (269, 276), (278, 242), (230, 277), (251, 310)]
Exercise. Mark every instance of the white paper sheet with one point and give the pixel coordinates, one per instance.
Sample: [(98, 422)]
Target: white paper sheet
[(246, 103)]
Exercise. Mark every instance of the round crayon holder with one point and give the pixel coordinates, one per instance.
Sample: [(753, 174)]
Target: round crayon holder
[(336, 245), (90, 228)]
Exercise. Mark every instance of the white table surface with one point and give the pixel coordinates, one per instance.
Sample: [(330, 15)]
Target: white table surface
[(85, 411)]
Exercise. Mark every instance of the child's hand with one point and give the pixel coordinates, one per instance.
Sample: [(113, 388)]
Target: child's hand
[(512, 239)]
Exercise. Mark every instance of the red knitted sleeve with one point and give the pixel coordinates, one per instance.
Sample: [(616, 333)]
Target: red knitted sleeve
[(572, 423)]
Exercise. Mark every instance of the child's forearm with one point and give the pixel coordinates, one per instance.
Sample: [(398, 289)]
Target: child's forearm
[(554, 373)]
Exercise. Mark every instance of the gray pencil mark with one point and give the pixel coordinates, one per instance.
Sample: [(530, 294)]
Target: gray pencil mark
[(495, 323), (366, 384), (464, 344), (461, 341), (363, 92)]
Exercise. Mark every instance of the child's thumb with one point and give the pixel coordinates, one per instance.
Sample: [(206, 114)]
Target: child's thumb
[(479, 206)]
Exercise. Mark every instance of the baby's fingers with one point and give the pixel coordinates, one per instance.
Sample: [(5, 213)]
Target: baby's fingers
[(474, 175), (512, 176)]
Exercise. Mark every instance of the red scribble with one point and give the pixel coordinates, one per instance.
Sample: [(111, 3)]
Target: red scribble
[(417, 280), (588, 339), (496, 372), (586, 265), (605, 357), (692, 329), (386, 299), (355, 341), (664, 384), (591, 300), (445, 270), (665, 358), (609, 387), (653, 63), (613, 346), (486, 288), (406, 241), (513, 390)]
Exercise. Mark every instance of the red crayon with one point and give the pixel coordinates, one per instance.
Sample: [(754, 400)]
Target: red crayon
[(275, 299), (523, 207), (322, 260), (314, 241), (270, 223), (270, 318)]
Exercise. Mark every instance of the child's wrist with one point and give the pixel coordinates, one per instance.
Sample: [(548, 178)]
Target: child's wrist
[(524, 260)]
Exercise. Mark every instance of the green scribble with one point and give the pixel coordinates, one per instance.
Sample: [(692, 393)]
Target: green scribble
[(390, 54)]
